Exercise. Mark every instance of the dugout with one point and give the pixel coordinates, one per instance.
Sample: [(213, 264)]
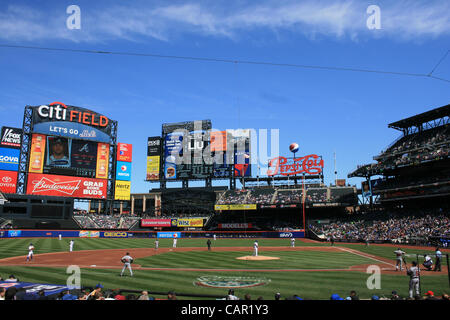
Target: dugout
[(39, 212)]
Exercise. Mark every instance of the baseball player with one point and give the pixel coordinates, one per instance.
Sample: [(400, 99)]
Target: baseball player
[(214, 236), (30, 252), (127, 260), (255, 248), (399, 258), (292, 242), (156, 244), (60, 237), (174, 242), (71, 245), (414, 282)]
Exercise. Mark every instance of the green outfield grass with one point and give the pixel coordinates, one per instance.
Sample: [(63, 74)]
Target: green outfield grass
[(308, 285)]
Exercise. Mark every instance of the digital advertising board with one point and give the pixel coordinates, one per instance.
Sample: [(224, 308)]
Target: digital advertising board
[(192, 151), (123, 171), (66, 186), (9, 159), (124, 152), (8, 181), (65, 156), (11, 137)]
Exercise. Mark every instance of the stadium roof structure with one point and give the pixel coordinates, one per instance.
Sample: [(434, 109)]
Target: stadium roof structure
[(426, 120)]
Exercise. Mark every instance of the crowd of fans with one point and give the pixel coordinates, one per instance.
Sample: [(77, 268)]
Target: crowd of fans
[(396, 229), (288, 196), (99, 221), (99, 293)]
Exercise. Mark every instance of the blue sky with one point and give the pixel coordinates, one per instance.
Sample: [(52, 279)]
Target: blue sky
[(324, 111)]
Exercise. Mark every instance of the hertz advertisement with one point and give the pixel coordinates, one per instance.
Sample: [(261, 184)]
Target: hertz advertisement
[(122, 190)]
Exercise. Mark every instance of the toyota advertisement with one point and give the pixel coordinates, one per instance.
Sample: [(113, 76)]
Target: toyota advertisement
[(66, 186), (8, 181)]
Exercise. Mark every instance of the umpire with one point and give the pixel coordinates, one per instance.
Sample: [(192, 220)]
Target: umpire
[(208, 243), (438, 254)]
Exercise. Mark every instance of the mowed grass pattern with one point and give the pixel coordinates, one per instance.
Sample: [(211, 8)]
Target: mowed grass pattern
[(308, 285), (228, 260)]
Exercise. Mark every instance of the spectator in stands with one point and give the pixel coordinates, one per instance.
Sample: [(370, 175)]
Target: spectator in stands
[(247, 297), (430, 296), (11, 293), (95, 294), (445, 297), (144, 296), (353, 295), (231, 295), (118, 296), (2, 293), (277, 296), (12, 278), (395, 296), (171, 296), (131, 297)]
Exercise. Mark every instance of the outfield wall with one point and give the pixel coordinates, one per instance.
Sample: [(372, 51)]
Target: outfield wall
[(147, 234)]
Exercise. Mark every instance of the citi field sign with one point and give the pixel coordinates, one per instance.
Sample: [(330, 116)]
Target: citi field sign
[(70, 121)]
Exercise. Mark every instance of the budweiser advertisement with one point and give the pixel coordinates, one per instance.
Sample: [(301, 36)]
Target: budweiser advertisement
[(311, 164), (8, 181), (65, 186)]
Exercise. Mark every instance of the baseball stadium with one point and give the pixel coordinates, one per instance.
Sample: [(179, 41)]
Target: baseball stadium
[(281, 235)]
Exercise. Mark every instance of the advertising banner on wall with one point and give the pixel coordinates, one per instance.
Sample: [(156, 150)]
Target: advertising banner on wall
[(168, 234), (8, 181), (156, 222), (37, 153), (218, 207), (124, 152), (9, 159), (122, 190), (123, 171), (102, 161), (11, 137), (72, 122), (153, 167), (66, 186), (189, 222)]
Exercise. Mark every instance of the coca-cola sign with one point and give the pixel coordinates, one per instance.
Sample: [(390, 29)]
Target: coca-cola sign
[(311, 165), (64, 186)]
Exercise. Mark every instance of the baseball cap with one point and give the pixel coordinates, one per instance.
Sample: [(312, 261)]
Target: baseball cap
[(374, 297), (335, 296), (119, 297), (429, 293), (98, 286)]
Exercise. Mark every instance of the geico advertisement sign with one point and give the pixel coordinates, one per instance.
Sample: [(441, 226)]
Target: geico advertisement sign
[(115, 234), (64, 186)]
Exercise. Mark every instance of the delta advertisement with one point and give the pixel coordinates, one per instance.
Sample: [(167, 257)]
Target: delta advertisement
[(9, 159), (71, 122), (168, 235), (65, 186), (8, 181)]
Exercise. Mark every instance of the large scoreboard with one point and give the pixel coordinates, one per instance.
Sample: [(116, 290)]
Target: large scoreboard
[(69, 152), (194, 151)]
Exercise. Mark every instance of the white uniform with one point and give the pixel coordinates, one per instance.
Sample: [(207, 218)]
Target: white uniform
[(156, 244), (30, 252), (255, 248), (293, 242), (174, 242), (71, 245), (414, 281), (399, 257), (214, 236), (127, 260), (60, 237)]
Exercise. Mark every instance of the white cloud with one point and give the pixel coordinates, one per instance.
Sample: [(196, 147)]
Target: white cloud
[(403, 19)]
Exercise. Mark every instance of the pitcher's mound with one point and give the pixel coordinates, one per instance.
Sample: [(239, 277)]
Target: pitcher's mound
[(257, 258)]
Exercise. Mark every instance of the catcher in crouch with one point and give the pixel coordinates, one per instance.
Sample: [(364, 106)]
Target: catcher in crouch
[(127, 260)]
